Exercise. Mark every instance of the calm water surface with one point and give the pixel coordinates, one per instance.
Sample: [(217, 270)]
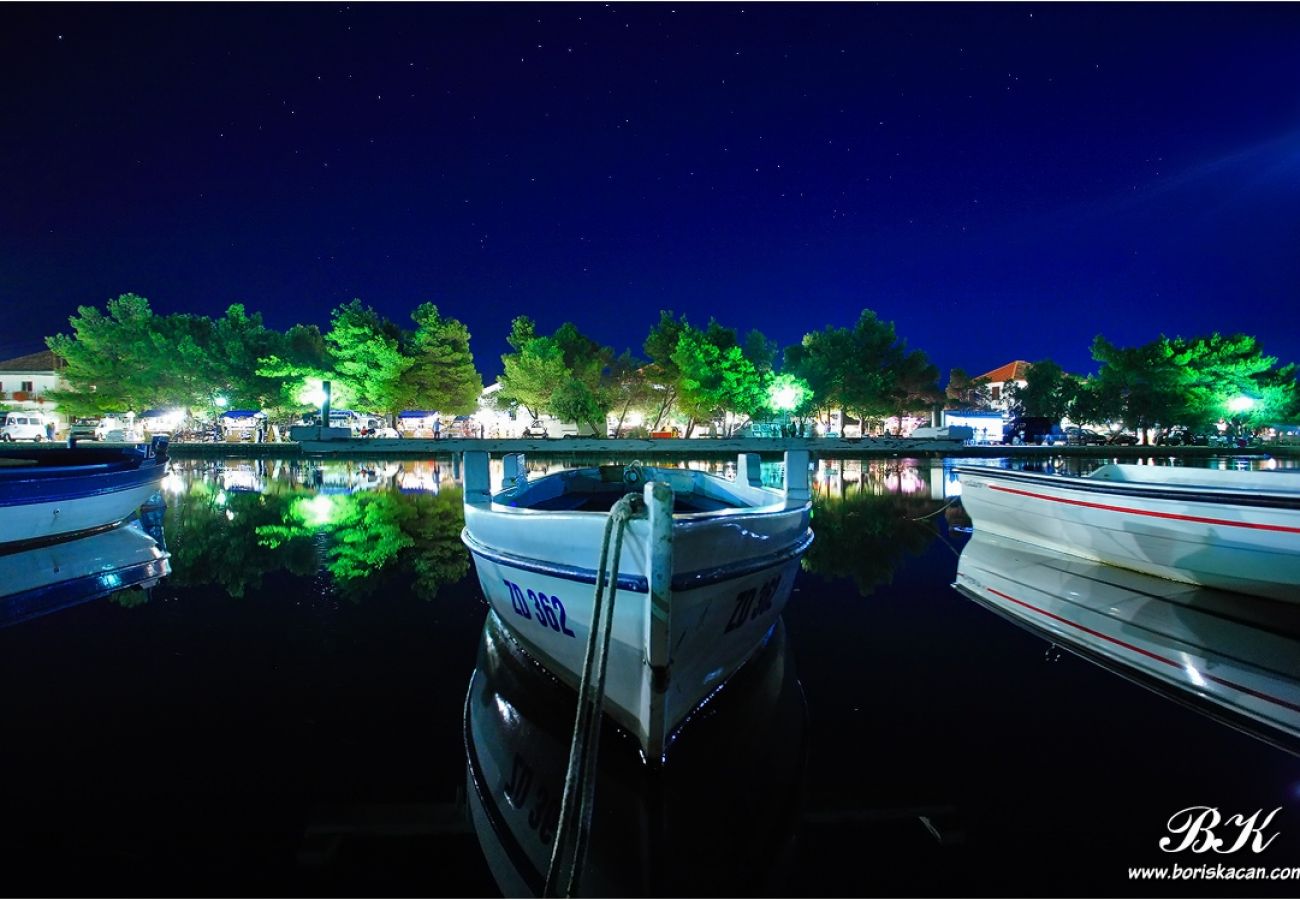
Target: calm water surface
[(286, 713)]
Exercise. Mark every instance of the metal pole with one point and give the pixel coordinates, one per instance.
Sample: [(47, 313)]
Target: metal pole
[(659, 573)]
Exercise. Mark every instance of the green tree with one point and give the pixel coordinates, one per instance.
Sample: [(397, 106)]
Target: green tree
[(716, 378), (563, 374), (367, 354), (442, 374), (110, 359)]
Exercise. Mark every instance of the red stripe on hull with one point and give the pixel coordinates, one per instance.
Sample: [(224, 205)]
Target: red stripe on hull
[(1146, 512)]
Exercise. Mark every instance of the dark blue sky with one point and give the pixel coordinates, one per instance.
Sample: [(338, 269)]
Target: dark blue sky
[(1002, 181)]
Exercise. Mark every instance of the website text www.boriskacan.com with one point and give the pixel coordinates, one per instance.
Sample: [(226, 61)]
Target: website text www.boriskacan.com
[(1217, 872)]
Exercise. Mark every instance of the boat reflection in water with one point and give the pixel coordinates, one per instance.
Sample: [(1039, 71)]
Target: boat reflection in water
[(719, 819), (1233, 657), (119, 563)]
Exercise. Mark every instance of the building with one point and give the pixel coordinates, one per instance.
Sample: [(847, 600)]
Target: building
[(1000, 378), (25, 380)]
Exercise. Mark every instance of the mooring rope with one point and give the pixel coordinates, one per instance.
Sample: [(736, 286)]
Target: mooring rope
[(568, 856)]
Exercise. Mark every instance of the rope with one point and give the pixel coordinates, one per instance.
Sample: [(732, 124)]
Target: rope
[(568, 856)]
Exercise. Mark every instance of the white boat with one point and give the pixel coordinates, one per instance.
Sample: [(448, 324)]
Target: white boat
[(47, 492), (1232, 530), (1232, 657), (702, 579), (55, 576)]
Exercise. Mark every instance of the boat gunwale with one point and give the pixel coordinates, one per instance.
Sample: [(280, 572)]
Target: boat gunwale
[(1177, 493), (684, 581), (778, 501)]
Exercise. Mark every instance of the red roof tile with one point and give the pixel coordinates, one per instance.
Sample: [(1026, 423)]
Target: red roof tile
[(1012, 371)]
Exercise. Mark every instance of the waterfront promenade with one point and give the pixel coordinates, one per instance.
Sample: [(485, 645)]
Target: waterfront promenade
[(693, 448)]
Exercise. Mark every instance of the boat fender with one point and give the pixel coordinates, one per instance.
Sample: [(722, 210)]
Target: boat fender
[(632, 474)]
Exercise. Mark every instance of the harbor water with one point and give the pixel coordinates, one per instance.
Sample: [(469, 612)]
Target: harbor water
[(314, 700)]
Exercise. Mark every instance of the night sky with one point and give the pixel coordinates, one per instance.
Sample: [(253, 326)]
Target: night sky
[(1002, 181)]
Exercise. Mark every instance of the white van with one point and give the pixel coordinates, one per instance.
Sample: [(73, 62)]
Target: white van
[(23, 426)]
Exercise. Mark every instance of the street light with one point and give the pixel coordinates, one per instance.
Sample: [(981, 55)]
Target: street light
[(1239, 406)]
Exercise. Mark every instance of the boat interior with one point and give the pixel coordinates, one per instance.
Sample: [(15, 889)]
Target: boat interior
[(597, 489), (1189, 476)]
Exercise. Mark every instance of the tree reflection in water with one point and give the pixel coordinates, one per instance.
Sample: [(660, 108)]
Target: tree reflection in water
[(230, 528), (868, 517)]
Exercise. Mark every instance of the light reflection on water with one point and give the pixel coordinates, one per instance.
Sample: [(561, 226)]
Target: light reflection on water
[(314, 641)]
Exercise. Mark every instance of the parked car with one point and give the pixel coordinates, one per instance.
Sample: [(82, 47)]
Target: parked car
[(383, 431), (22, 426), (1182, 437), (84, 430), (1123, 439), (535, 430), (1084, 436)]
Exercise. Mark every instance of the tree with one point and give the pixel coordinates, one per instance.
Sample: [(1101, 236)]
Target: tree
[(866, 371), (628, 388), (964, 392), (530, 374), (1175, 381), (442, 374), (759, 350), (367, 354), (238, 342), (819, 360), (111, 365), (1048, 391), (563, 374), (716, 379), (663, 374)]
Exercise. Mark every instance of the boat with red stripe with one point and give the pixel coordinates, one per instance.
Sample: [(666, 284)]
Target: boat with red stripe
[(1227, 529)]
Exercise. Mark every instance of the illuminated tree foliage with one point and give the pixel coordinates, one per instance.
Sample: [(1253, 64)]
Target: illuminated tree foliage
[(716, 378), (367, 354), (564, 375), (1188, 382), (108, 358)]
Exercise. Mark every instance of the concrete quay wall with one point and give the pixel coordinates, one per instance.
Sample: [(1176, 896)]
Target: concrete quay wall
[(694, 448)]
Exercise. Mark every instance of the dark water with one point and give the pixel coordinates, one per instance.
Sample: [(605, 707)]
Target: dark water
[(285, 713)]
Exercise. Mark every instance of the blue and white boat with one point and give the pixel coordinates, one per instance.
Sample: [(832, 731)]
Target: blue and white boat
[(46, 492), (57, 575), (703, 577)]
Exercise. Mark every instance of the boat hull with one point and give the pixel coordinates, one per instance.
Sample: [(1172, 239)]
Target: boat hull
[(702, 576), (59, 492), (1237, 544), (715, 626)]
